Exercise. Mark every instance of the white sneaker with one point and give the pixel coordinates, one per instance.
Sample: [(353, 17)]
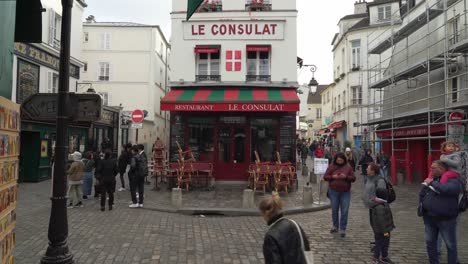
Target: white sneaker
[(133, 206), (140, 205), (121, 189), (137, 195)]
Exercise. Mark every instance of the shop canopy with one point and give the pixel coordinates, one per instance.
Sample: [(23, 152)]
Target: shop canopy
[(231, 100), (338, 124)]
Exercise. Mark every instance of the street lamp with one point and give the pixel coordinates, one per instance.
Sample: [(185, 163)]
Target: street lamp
[(313, 84)]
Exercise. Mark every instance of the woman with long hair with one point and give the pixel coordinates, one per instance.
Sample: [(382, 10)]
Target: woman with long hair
[(339, 176)]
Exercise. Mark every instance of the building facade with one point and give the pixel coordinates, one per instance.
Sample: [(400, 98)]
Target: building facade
[(420, 69), (127, 63), (313, 116), (350, 97), (233, 90)]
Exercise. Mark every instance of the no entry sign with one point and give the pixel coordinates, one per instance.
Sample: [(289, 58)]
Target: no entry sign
[(137, 116)]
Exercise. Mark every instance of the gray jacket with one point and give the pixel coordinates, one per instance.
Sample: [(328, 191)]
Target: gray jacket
[(369, 188), (453, 161)]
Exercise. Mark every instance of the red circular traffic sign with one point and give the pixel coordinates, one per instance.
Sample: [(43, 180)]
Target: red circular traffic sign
[(137, 116), (456, 116)]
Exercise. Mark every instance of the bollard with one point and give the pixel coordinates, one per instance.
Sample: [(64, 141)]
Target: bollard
[(305, 171), (307, 196), (176, 197), (248, 199), (313, 177)]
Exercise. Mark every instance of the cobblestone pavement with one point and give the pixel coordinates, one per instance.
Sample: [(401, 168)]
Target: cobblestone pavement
[(127, 235)]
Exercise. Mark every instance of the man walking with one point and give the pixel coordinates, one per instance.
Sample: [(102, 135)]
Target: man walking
[(137, 178), (438, 201)]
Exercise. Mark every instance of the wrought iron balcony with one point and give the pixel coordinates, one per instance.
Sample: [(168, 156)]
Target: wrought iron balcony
[(258, 5), (204, 78), (258, 78)]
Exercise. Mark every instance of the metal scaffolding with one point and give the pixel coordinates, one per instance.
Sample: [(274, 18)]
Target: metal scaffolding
[(418, 76)]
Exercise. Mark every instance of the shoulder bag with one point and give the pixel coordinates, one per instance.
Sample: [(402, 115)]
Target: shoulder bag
[(308, 255)]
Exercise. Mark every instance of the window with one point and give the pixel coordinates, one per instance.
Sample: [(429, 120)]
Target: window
[(105, 41), (339, 102), (104, 69), (453, 85), (264, 136), (318, 113), (201, 137), (55, 25), (344, 99), (208, 66), (85, 67), (357, 95), (356, 54), (334, 104), (257, 5), (384, 12), (105, 98), (53, 80), (453, 30), (85, 36), (160, 77), (258, 66)]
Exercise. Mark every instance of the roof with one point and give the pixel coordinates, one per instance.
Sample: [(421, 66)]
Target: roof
[(363, 23), (353, 16), (381, 2), (316, 98)]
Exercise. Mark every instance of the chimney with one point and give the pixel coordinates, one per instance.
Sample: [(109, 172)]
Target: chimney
[(90, 19), (360, 7)]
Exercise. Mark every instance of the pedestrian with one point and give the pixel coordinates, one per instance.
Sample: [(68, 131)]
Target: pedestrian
[(282, 243), (374, 181), (384, 162), (438, 205), (123, 162), (350, 158), (312, 148), (319, 152), (304, 153), (137, 178), (451, 156), (88, 174), (339, 176), (98, 157), (75, 180), (381, 220), (107, 171), (364, 162)]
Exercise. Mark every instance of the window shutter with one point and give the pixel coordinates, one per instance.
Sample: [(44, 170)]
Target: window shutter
[(98, 71), (51, 26), (109, 99), (50, 82), (107, 44), (111, 71), (103, 40)]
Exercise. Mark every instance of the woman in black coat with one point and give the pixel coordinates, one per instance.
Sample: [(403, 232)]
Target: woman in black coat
[(282, 244)]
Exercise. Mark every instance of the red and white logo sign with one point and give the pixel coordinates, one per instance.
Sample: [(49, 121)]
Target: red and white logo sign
[(137, 116), (456, 116), (233, 60)]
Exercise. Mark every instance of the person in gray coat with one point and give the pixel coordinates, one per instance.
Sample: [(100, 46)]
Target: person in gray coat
[(374, 180)]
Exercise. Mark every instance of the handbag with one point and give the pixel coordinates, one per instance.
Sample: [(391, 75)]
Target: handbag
[(308, 255)]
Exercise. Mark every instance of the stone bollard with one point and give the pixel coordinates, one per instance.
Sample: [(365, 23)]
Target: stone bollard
[(307, 196), (176, 197), (305, 171), (248, 199), (313, 177)]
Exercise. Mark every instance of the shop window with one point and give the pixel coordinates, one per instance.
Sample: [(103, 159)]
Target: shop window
[(208, 67), (258, 66), (264, 136), (201, 138), (257, 5)]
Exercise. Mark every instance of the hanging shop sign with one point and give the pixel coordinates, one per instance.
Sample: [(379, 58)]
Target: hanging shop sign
[(232, 107), (234, 30), (44, 58)]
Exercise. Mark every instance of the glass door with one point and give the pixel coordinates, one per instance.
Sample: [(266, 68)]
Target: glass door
[(233, 149)]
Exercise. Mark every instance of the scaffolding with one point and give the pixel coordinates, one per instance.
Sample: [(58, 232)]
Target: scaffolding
[(418, 76)]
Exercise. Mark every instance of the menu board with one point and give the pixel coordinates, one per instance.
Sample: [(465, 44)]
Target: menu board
[(9, 153), (287, 138), (177, 135)]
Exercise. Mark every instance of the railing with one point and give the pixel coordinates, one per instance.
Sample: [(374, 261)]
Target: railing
[(204, 78), (258, 78), (258, 5), (211, 6)]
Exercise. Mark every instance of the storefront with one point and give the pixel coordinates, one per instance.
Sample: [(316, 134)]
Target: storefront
[(104, 133), (224, 126)]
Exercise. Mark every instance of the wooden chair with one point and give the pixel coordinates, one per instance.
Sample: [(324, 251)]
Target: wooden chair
[(261, 176), (185, 174), (251, 171), (281, 175)]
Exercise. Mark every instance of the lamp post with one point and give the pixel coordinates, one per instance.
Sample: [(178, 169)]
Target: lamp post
[(313, 84)]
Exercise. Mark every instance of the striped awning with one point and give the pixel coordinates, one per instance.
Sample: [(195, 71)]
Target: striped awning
[(231, 100)]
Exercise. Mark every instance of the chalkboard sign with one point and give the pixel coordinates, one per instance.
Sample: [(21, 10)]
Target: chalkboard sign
[(177, 135), (287, 138)]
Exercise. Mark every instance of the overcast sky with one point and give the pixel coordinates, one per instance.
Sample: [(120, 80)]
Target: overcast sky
[(317, 23)]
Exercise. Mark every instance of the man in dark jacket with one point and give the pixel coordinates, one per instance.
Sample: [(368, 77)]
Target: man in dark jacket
[(141, 151), (124, 160), (107, 170), (137, 178), (439, 208)]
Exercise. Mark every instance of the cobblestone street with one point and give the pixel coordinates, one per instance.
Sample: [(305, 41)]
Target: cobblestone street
[(127, 235)]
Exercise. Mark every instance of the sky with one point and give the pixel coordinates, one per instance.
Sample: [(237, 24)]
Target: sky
[(316, 25)]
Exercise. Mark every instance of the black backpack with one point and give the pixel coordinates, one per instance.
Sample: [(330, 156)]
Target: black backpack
[(391, 195), (463, 198)]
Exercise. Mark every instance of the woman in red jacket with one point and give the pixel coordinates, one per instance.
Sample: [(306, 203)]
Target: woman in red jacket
[(319, 152), (339, 176)]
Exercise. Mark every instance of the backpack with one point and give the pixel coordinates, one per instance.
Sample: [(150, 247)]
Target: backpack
[(463, 197), (391, 195)]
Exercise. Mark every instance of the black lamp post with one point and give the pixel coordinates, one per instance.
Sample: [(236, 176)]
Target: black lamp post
[(57, 251), (313, 84)]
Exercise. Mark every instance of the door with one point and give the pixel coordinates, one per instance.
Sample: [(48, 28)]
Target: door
[(233, 158), (30, 154)]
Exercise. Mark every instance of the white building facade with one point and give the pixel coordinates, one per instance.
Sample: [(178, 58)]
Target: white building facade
[(127, 63), (233, 85)]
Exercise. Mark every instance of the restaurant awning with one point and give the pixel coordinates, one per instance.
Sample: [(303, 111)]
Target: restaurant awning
[(258, 48), (337, 124), (207, 48), (231, 100)]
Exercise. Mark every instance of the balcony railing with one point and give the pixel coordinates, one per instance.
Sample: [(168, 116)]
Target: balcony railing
[(211, 6), (258, 5), (258, 78), (205, 78)]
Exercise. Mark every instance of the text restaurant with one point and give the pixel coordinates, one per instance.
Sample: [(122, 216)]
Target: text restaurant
[(236, 111)]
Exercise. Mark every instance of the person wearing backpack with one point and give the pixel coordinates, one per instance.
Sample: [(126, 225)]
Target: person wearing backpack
[(439, 207), (374, 181), (137, 178)]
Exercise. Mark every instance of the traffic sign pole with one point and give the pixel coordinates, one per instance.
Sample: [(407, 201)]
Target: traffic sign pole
[(58, 251)]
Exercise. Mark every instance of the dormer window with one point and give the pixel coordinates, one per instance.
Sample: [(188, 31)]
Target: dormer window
[(258, 5), (384, 12)]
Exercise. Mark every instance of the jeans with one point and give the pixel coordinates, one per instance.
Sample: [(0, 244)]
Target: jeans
[(137, 185), (88, 183), (122, 179), (447, 230), (340, 201), (382, 243), (384, 173), (107, 188), (439, 240), (75, 192)]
